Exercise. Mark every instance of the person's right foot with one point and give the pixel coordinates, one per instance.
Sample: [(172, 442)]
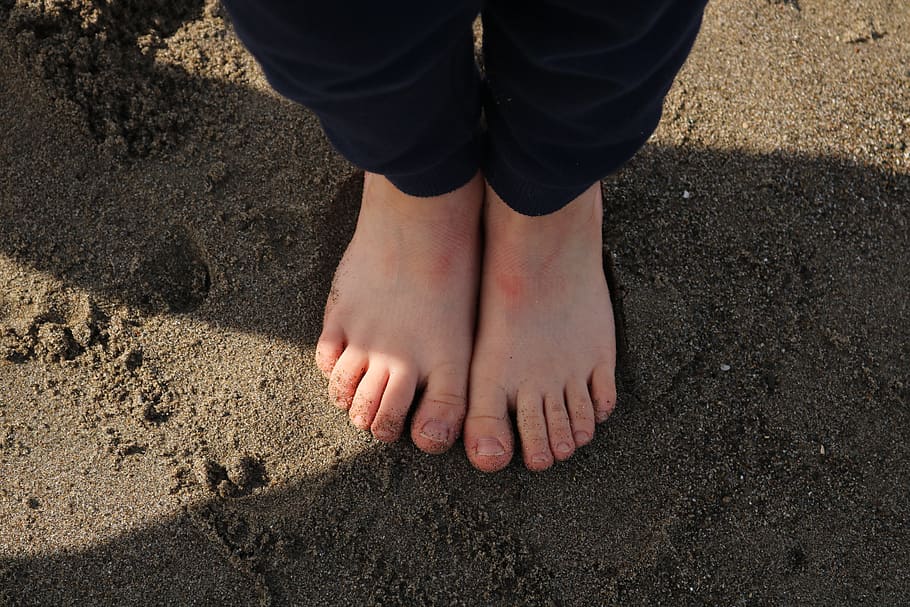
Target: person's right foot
[(545, 346), (400, 315)]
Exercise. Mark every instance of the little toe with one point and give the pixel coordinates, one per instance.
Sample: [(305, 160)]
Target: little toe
[(603, 391), (559, 429), (440, 415), (581, 412), (532, 427), (395, 404), (329, 348), (345, 378), (368, 396), (488, 438)]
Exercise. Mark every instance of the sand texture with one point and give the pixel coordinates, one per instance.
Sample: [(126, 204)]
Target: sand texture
[(168, 231)]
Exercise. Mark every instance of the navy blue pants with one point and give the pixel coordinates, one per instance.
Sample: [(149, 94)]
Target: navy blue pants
[(572, 88)]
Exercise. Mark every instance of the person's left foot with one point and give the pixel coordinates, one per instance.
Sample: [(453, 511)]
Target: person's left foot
[(545, 346), (400, 316)]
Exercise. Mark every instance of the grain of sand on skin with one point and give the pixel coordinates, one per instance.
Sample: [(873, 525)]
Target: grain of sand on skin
[(168, 232)]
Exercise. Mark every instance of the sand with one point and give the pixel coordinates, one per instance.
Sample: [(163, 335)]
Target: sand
[(168, 230)]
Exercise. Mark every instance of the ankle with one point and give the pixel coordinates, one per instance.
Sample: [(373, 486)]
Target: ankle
[(436, 238), (459, 208), (521, 244)]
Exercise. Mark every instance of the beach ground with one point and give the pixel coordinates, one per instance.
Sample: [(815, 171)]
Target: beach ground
[(168, 231)]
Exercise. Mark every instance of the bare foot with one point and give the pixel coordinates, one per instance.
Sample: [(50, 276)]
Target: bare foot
[(400, 316), (545, 345)]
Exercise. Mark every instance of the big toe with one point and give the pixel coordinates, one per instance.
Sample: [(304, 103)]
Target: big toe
[(488, 436), (440, 415)]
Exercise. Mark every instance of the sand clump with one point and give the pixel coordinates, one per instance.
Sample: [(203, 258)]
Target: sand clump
[(240, 476), (110, 66), (61, 327)]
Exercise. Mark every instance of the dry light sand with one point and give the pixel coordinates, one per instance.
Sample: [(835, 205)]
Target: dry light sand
[(168, 230)]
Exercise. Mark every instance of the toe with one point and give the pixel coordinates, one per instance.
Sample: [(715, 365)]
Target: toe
[(345, 378), (368, 395), (487, 430), (396, 401), (532, 427), (559, 430), (581, 412), (440, 415), (329, 348), (603, 391)]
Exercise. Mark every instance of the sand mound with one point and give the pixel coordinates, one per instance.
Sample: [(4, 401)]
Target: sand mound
[(113, 66)]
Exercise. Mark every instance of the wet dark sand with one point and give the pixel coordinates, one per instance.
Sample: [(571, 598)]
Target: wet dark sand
[(168, 230)]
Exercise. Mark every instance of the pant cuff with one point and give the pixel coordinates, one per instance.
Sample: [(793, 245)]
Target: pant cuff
[(529, 196), (447, 175)]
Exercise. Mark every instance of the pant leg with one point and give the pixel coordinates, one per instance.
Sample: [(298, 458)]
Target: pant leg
[(394, 84), (575, 89)]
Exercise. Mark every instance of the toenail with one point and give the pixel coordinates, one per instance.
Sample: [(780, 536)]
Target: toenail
[(489, 446), (601, 416), (435, 431), (582, 437), (360, 421), (563, 447), (540, 459)]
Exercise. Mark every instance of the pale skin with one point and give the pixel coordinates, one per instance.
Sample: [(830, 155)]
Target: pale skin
[(472, 314)]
